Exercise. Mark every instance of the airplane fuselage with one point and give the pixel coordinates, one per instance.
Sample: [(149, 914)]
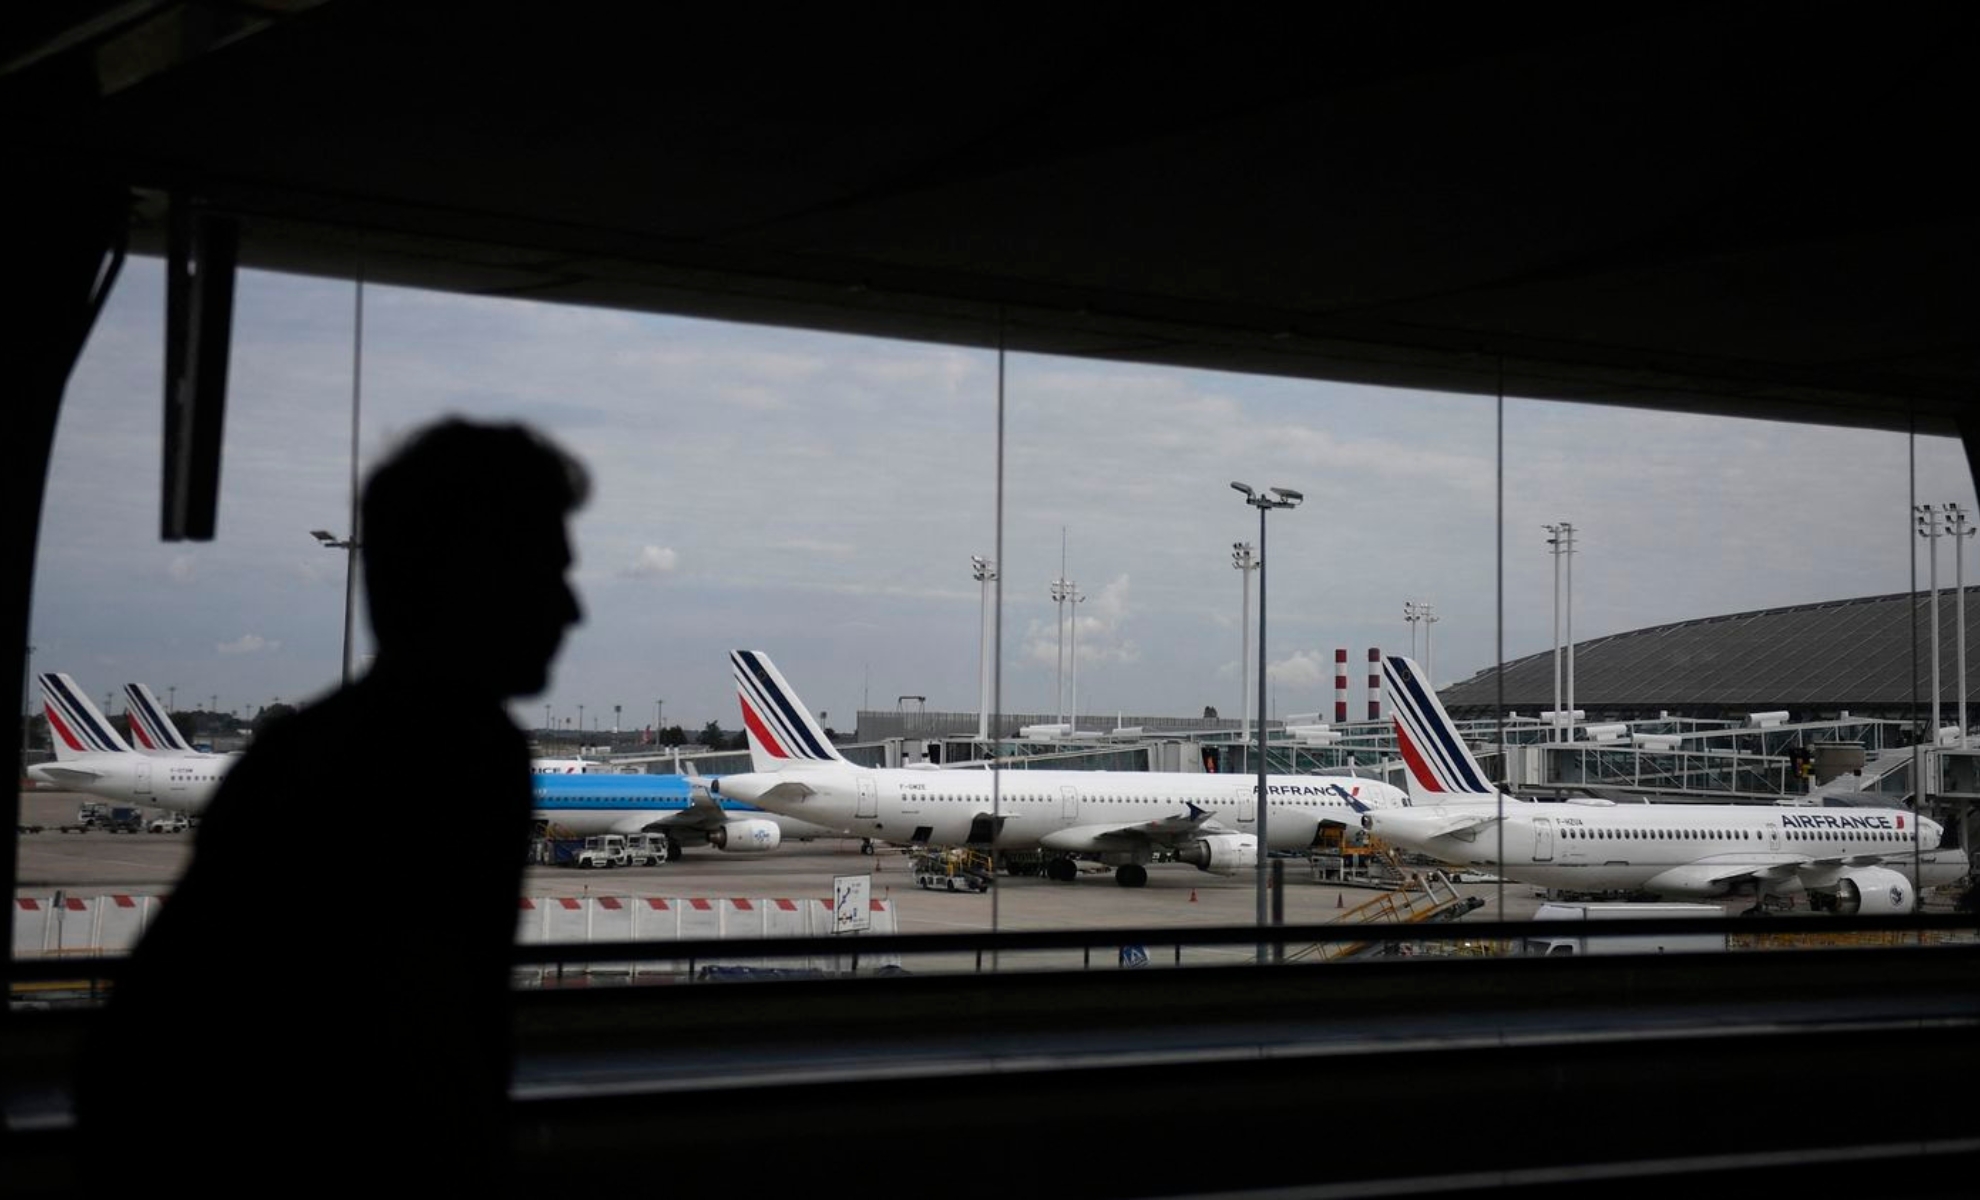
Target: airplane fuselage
[(1692, 851), (178, 782), (1049, 810)]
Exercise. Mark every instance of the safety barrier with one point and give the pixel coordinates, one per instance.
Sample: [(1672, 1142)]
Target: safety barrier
[(80, 926), (691, 929), (86, 926)]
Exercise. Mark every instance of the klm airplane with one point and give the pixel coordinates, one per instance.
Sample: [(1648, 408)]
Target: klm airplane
[(680, 807)]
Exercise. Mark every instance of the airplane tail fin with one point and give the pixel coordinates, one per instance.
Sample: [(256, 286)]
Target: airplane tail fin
[(75, 727), (1441, 768), (781, 732), (151, 726)]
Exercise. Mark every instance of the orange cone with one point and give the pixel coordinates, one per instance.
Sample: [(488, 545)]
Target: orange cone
[(1192, 895), (1337, 901)]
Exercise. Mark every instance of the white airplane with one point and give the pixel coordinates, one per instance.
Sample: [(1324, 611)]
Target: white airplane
[(1122, 818), (1846, 860), (90, 757)]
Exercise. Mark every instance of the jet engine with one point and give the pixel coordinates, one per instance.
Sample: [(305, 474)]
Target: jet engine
[(1221, 853), (746, 837), (1873, 891)]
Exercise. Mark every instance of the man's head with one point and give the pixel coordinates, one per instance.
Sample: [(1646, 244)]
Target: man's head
[(465, 554)]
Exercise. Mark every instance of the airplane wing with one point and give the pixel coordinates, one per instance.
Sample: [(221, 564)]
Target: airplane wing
[(1457, 824), (56, 773), (703, 812), (1163, 831), (1706, 877)]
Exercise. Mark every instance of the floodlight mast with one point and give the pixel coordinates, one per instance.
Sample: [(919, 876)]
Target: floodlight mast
[(1245, 559), (349, 546), (1279, 498)]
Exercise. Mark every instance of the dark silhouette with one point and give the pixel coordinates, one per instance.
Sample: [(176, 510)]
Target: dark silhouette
[(326, 994)]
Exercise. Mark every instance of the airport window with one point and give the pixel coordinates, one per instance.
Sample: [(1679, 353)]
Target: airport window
[(1150, 625)]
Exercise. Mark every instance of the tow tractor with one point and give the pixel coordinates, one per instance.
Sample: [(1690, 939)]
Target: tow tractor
[(956, 869)]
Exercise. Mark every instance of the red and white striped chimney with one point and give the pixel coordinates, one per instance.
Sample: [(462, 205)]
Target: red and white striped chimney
[(1374, 684), (1340, 686)]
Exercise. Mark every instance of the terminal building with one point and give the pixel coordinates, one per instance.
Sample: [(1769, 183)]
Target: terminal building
[(1869, 656)]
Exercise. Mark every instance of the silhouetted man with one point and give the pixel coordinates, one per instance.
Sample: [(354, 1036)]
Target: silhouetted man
[(325, 995)]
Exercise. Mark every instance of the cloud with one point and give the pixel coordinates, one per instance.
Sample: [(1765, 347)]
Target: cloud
[(248, 643), (652, 560), (1303, 669)]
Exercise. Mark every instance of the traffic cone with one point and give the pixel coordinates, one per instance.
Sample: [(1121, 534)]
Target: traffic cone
[(1337, 901), (1192, 895)]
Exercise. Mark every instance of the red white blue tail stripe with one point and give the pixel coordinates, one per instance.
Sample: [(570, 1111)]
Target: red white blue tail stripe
[(1437, 757), (781, 732), (151, 728), (74, 724)]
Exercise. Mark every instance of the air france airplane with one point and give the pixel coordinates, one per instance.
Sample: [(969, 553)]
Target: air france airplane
[(1846, 860), (681, 808), (1121, 818), (91, 757)]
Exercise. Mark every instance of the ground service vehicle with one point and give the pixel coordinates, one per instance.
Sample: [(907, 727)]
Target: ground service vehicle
[(646, 849), (952, 870), (603, 850), (1603, 937), (169, 823)]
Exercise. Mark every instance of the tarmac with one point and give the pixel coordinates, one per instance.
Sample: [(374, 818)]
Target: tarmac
[(1176, 895)]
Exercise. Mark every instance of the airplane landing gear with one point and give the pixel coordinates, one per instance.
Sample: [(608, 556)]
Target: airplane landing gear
[(1131, 875)]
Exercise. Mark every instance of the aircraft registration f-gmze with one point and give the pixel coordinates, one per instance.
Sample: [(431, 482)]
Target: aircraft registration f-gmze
[(1121, 818)]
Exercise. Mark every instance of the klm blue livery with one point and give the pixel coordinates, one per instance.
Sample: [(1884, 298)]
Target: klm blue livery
[(680, 807)]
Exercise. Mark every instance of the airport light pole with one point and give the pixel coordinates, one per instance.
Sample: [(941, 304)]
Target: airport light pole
[(1423, 611), (349, 546), (1278, 498), (1959, 528), (1073, 600), (1061, 588), (1245, 559), (1931, 523), (1427, 613), (1561, 545), (984, 571)]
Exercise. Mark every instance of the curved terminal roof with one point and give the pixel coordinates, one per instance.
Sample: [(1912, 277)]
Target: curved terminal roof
[(1854, 655)]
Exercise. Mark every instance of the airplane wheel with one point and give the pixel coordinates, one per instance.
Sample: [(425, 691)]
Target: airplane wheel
[(1132, 875), (1062, 870)]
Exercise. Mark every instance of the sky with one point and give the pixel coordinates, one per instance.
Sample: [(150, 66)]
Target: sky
[(819, 497)]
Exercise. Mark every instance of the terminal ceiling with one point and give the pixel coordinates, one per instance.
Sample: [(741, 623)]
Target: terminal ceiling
[(1730, 209)]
